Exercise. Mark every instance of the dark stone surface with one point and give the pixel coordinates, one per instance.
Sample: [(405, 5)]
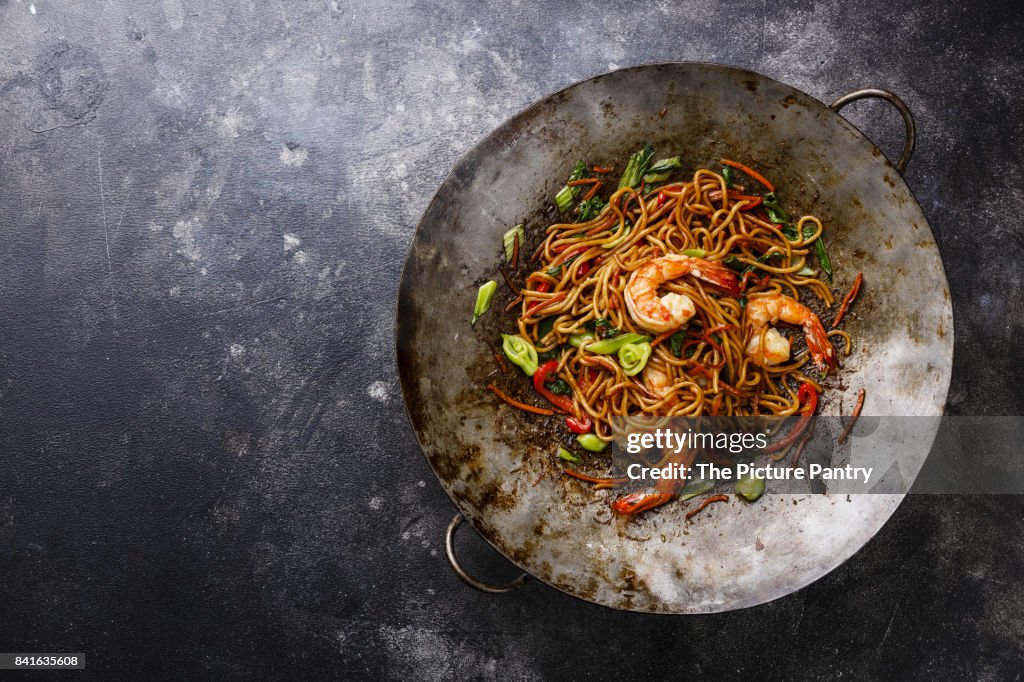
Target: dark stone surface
[(206, 466)]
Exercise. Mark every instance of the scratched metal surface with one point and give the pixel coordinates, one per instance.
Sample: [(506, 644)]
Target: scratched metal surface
[(484, 453), (206, 469)]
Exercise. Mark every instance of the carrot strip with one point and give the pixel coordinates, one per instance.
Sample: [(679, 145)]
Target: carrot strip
[(705, 503), (591, 479), (751, 172), (515, 403), (514, 303), (601, 169), (534, 309), (582, 181), (848, 299), (515, 251), (593, 190), (853, 417), (508, 280)]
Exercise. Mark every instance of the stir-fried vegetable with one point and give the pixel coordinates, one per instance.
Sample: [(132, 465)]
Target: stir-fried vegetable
[(633, 357), (567, 194), (727, 175), (484, 296), (508, 240), (601, 327), (823, 259), (637, 167), (580, 424), (521, 352), (676, 342), (591, 442), (751, 172), (559, 387), (695, 253), (569, 456), (612, 345), (577, 340), (661, 170), (589, 209), (750, 488), (777, 214)]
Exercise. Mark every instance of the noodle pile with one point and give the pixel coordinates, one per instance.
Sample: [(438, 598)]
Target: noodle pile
[(577, 280)]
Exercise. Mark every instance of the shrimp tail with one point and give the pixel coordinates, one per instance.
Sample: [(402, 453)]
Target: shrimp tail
[(722, 276), (818, 344)]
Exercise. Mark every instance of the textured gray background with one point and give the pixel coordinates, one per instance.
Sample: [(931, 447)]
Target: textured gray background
[(204, 209)]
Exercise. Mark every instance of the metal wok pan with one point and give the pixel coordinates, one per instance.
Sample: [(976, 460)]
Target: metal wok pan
[(499, 471)]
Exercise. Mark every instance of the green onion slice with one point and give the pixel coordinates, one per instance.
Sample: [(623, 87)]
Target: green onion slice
[(568, 456), (591, 442), (483, 299)]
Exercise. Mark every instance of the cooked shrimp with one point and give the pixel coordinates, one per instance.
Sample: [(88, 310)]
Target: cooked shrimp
[(769, 347), (672, 310), (660, 384)]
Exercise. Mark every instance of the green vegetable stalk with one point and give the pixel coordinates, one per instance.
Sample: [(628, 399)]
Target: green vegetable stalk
[(520, 352), (661, 170), (633, 357), (695, 253), (636, 167), (612, 345), (483, 299), (508, 240), (577, 340), (567, 194)]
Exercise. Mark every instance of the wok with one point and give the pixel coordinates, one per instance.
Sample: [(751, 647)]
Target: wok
[(499, 471)]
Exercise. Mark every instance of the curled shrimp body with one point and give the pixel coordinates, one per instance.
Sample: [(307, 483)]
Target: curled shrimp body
[(769, 347), (660, 384), (672, 310)]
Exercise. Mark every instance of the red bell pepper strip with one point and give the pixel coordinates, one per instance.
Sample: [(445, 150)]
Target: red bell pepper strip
[(577, 425), (543, 287), (581, 424), (540, 377)]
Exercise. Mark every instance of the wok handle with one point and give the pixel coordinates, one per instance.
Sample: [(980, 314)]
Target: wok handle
[(908, 118), (449, 550)]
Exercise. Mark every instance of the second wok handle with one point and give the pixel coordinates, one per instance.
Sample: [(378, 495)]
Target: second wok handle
[(449, 550), (908, 118)]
